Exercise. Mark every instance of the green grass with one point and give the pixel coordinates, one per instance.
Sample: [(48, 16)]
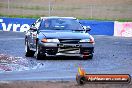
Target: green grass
[(21, 16), (37, 16), (2, 5), (104, 19), (38, 7)]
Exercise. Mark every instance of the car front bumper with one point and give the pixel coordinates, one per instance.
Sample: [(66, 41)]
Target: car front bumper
[(58, 49)]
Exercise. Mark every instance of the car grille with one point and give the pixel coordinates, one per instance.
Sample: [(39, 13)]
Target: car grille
[(70, 41), (69, 50)]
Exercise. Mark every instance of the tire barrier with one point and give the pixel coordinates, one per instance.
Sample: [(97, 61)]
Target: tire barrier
[(99, 27), (109, 28), (15, 24)]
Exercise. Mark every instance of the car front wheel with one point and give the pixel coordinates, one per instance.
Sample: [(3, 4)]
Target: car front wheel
[(38, 55)]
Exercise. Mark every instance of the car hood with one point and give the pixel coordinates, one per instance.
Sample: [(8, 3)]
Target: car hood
[(65, 34)]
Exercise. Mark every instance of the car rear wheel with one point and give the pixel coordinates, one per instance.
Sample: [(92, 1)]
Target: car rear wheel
[(91, 56), (29, 53)]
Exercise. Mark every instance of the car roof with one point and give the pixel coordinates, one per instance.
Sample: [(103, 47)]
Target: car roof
[(52, 17)]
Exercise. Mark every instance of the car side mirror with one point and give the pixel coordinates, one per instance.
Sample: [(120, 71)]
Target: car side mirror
[(87, 28), (32, 25), (33, 28)]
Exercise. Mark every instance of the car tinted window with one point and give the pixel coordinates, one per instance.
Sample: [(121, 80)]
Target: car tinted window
[(61, 24)]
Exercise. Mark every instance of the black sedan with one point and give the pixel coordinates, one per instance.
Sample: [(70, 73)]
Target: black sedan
[(58, 36)]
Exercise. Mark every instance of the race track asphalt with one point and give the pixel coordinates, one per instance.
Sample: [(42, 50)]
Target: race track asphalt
[(113, 55)]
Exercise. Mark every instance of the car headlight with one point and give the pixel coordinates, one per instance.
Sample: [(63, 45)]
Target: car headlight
[(90, 40), (50, 40), (85, 40)]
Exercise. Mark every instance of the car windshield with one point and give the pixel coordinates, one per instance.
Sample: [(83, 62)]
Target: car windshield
[(61, 24)]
